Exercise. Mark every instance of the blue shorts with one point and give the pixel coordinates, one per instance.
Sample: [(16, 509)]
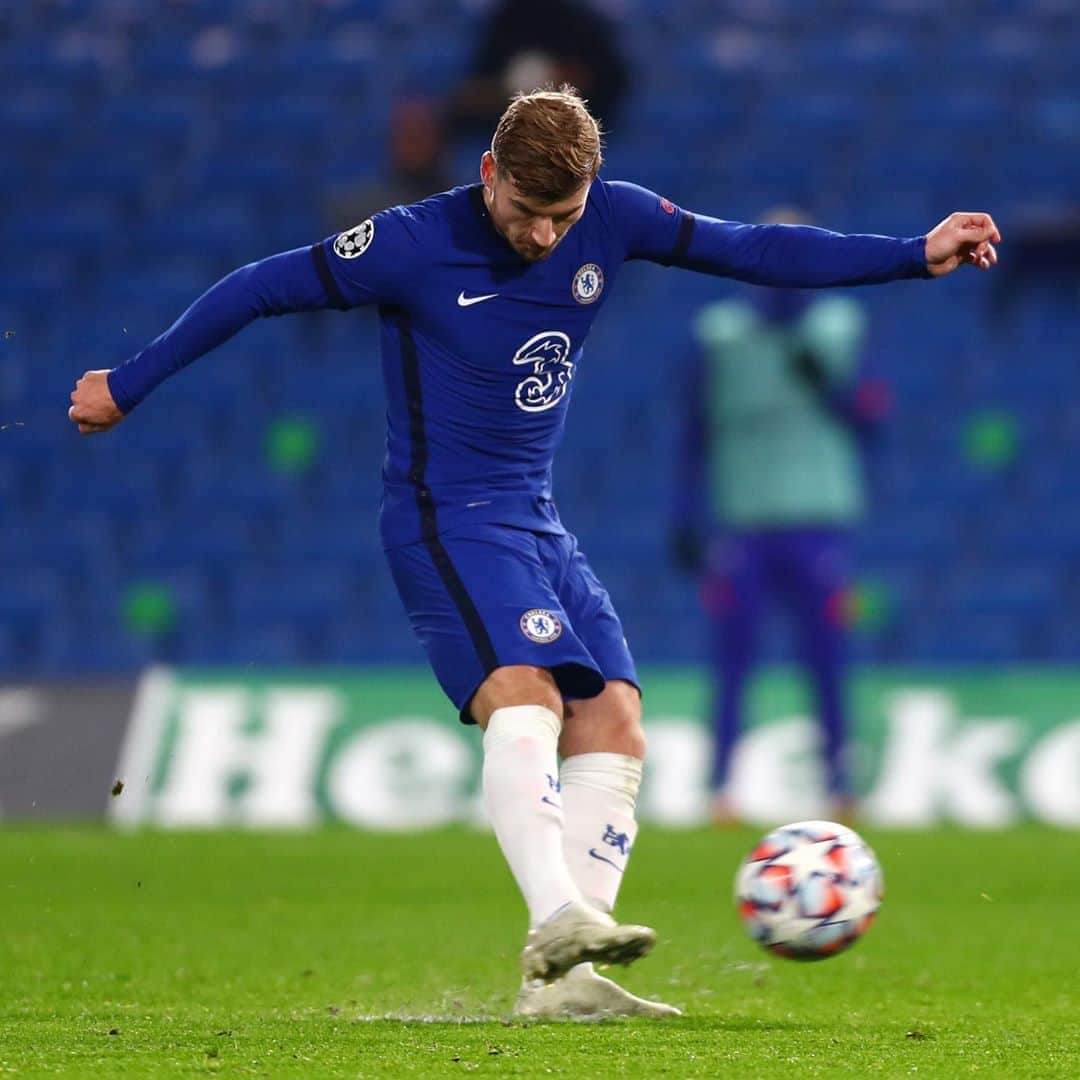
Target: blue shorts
[(485, 596)]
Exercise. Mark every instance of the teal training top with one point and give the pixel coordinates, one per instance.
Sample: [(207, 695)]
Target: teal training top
[(777, 454)]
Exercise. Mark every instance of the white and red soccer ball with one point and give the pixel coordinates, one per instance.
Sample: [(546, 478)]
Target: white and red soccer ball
[(809, 890)]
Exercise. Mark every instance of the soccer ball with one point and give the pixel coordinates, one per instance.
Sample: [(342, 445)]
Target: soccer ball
[(809, 890)]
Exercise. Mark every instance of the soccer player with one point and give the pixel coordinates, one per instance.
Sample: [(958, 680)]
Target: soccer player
[(485, 295)]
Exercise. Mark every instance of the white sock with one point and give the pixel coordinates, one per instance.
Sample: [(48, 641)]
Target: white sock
[(522, 799), (599, 793)]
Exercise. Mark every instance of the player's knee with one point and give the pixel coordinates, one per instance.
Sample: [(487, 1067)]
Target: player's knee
[(610, 723), (627, 716), (515, 684), (620, 732), (632, 739)]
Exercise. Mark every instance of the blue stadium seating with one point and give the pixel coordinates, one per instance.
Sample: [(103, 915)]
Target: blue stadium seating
[(151, 148)]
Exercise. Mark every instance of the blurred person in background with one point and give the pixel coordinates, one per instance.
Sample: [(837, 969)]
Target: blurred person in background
[(486, 294), (779, 413), (415, 165), (523, 46)]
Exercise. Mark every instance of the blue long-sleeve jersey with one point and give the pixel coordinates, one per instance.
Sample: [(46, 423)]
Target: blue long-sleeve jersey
[(479, 346)]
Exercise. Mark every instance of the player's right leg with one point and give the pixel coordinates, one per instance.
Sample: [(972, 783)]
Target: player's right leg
[(602, 747)]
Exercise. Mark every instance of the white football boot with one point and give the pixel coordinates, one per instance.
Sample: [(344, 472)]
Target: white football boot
[(578, 933), (581, 994)]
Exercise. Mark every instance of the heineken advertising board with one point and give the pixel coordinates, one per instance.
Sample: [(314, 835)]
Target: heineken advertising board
[(384, 750)]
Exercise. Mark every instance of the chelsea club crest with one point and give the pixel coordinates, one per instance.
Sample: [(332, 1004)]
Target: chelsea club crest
[(541, 626), (588, 283)]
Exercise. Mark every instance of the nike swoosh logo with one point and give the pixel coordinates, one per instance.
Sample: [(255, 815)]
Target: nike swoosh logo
[(603, 858), (550, 802), (468, 301)]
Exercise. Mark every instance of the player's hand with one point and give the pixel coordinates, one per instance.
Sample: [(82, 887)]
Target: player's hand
[(92, 405), (962, 239)]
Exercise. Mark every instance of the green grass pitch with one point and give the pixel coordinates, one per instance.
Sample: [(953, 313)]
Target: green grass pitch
[(345, 954)]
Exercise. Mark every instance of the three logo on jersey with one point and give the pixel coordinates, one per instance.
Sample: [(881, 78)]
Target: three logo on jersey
[(552, 370), (549, 351)]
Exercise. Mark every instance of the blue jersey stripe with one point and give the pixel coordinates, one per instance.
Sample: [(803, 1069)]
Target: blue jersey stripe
[(429, 527), (418, 448), (322, 268), (474, 624), (686, 231)]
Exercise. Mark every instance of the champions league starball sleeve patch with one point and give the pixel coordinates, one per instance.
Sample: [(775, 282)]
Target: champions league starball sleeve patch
[(356, 241)]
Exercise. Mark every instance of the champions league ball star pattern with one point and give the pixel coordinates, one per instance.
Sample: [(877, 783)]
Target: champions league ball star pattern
[(809, 890), (351, 244)]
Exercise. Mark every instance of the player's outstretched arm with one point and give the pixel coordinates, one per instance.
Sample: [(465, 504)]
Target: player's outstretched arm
[(963, 239), (277, 285), (792, 256), (329, 274)]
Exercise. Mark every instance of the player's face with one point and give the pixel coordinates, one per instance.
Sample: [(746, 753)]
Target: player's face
[(531, 228)]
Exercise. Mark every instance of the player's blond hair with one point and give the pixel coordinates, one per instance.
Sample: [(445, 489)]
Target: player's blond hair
[(549, 143)]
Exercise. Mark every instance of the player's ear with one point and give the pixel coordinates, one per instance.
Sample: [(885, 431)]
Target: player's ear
[(487, 169)]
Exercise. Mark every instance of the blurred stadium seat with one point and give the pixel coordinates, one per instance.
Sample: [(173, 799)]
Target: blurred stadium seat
[(149, 149)]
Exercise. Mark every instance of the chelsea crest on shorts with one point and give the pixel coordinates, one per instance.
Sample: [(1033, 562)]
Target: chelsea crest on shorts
[(541, 626)]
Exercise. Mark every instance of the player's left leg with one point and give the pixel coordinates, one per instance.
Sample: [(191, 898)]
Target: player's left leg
[(602, 743), (602, 746)]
